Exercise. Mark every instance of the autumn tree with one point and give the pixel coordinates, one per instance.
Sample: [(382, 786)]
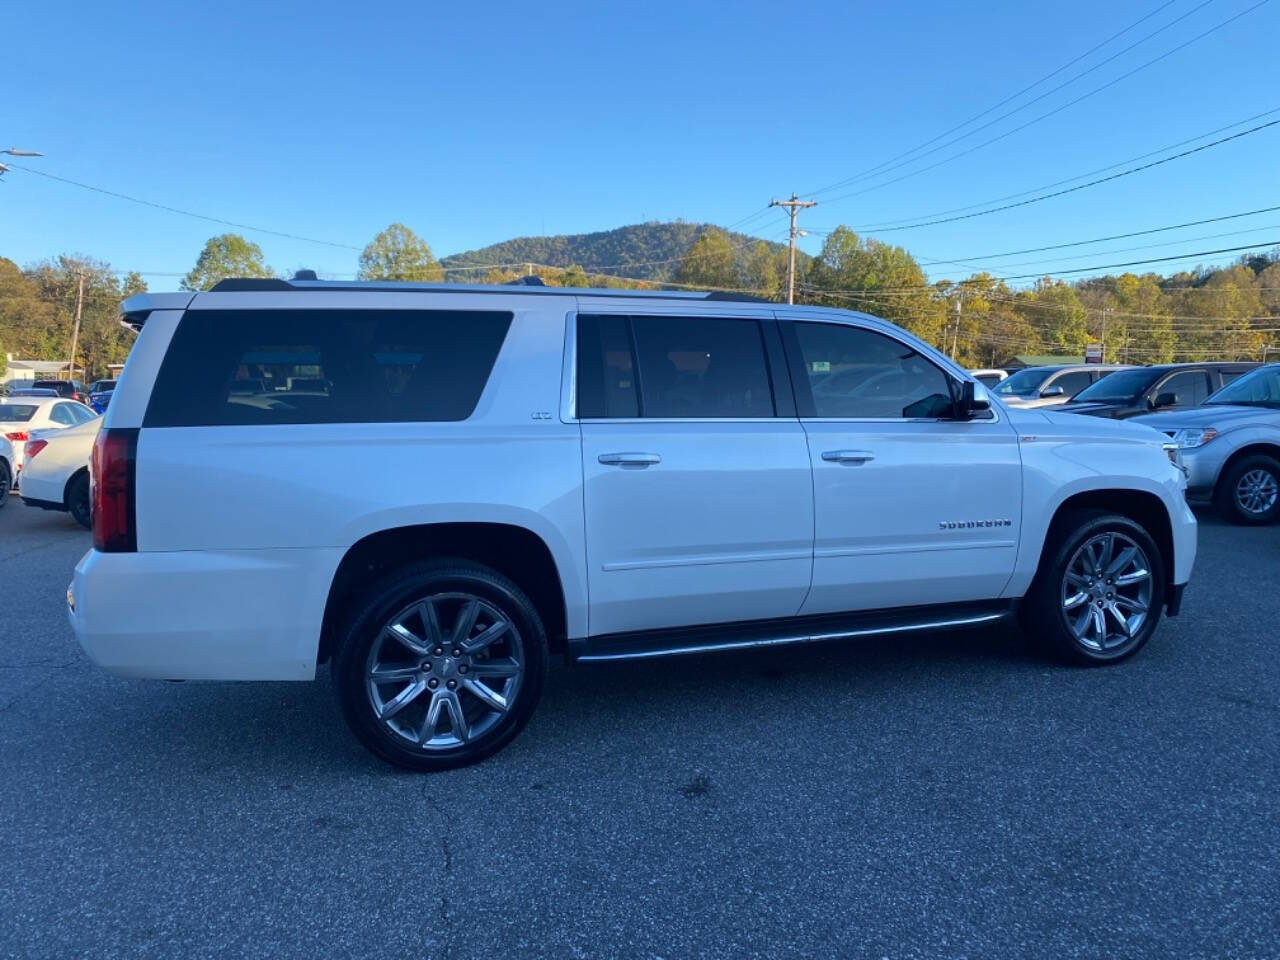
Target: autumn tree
[(224, 256), (397, 253), (709, 262)]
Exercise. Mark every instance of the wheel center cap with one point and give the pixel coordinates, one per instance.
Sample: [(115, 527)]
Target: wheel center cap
[(448, 667)]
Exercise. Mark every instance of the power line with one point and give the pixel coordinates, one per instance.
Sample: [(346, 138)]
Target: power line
[(880, 167), (1134, 263), (1055, 110), (181, 212)]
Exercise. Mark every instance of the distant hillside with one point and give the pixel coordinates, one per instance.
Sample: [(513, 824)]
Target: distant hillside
[(646, 251)]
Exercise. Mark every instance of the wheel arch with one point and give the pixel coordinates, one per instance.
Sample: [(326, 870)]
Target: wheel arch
[(1266, 448), (515, 551), (66, 487), (1142, 507)]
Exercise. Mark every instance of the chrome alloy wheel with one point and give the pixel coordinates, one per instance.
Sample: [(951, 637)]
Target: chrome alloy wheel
[(1106, 592), (1257, 491), (445, 670)]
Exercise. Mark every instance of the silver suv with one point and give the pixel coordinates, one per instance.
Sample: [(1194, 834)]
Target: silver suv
[(1230, 447)]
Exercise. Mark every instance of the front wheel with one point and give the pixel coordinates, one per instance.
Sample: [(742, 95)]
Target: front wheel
[(442, 666), (1249, 491), (1100, 589)]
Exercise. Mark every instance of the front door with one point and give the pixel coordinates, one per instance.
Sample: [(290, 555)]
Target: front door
[(911, 507), (698, 499)]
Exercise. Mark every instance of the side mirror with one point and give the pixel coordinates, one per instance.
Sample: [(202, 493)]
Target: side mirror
[(1052, 392), (1164, 400), (968, 403)]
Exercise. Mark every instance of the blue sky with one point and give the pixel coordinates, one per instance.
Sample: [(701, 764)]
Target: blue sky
[(475, 123)]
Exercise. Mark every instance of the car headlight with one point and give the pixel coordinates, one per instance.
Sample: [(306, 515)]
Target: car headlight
[(1191, 437)]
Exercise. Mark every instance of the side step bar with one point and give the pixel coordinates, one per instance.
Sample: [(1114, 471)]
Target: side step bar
[(642, 645)]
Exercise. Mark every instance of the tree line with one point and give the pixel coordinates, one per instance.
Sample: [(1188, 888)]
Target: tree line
[(1227, 313)]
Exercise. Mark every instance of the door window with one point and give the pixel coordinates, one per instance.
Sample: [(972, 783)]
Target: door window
[(672, 368), (853, 373), (1190, 388), (1071, 383), (61, 413)]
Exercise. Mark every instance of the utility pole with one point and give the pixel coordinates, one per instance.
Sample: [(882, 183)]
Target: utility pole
[(955, 336), (792, 206), (1106, 312), (75, 330)]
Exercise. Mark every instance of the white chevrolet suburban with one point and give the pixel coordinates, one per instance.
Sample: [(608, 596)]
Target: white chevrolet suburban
[(434, 488)]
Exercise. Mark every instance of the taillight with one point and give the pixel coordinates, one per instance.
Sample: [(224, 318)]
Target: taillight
[(18, 437), (35, 446), (113, 486)]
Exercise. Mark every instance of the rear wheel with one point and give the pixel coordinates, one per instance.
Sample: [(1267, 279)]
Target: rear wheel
[(6, 481), (1100, 589), (442, 666), (1249, 491), (78, 500)]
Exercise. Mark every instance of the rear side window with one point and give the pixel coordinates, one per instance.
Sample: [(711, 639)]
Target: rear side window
[(227, 367), (666, 367), (16, 412)]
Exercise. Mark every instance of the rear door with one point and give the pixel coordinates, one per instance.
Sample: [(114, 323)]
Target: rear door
[(698, 497), (911, 508)]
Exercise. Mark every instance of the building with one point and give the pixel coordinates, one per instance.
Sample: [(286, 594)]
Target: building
[(32, 369)]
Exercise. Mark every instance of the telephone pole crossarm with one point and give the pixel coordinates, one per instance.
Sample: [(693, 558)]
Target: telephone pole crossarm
[(793, 205)]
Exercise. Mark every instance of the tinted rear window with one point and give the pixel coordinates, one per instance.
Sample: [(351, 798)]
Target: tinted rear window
[(227, 367), (16, 412)]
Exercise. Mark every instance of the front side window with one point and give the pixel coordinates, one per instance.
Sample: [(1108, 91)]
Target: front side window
[(1189, 389), (854, 373), (1071, 383), (1261, 388), (665, 367), (1024, 383), (246, 367)]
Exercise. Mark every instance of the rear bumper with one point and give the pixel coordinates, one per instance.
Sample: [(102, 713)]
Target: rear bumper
[(203, 615)]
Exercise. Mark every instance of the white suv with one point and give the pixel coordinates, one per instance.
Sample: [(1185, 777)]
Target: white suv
[(435, 488)]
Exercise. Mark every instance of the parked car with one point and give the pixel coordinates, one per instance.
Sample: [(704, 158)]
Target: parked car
[(8, 469), (19, 415), (55, 469), (493, 475), (1230, 447), (71, 389), (989, 378), (100, 394), (32, 392), (1131, 393), (1050, 386)]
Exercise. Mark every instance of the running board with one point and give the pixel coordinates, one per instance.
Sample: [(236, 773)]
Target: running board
[(642, 645)]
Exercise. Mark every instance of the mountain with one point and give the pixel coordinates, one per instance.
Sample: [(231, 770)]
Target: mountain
[(646, 251)]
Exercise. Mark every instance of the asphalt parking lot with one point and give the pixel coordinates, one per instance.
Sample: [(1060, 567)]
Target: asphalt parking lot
[(951, 795)]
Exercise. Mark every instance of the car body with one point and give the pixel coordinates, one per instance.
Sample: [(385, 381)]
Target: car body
[(100, 394), (600, 474), (989, 377), (8, 469), (1142, 390), (1033, 387), (55, 469), (70, 389), (1230, 446), (20, 414)]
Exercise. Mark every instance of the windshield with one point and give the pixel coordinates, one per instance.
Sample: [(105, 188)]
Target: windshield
[(1123, 385), (16, 412), (1023, 383), (102, 385), (1261, 388)]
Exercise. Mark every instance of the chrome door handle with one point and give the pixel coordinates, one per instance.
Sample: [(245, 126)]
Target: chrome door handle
[(629, 459), (848, 456)]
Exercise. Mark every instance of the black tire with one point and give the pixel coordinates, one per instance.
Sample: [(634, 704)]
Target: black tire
[(444, 580), (6, 482), (1227, 499), (78, 500), (1042, 612)]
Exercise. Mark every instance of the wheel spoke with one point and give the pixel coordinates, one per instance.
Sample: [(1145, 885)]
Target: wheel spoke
[(1119, 618), (1074, 601), (432, 719), (486, 695), (1137, 606), (495, 669), (1081, 625), (1132, 577), (466, 621), (1076, 580), (431, 621), (402, 699), (457, 719), (403, 635), (381, 674), (487, 636), (1122, 561), (1099, 625)]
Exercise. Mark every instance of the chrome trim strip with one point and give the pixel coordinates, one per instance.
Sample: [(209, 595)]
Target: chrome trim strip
[(793, 638), (930, 547), (708, 560)]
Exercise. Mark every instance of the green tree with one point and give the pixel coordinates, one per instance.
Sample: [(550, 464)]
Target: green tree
[(766, 270), (397, 253), (223, 256), (1055, 310), (709, 262)]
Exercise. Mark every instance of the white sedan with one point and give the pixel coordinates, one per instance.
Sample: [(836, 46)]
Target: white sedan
[(55, 471), (21, 415), (8, 469)]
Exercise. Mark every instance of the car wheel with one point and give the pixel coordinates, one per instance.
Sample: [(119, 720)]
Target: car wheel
[(78, 500), (5, 482), (441, 665), (1249, 491), (1099, 591)]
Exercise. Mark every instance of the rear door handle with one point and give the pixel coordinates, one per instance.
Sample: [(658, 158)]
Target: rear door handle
[(848, 456), (629, 459)]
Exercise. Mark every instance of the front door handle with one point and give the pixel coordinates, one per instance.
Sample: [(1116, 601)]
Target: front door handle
[(848, 456), (629, 459)]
